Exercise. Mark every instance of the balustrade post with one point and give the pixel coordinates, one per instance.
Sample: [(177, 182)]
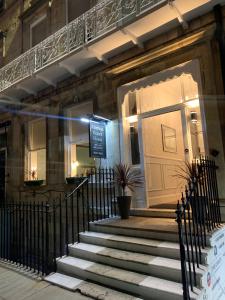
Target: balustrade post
[(47, 239), (186, 294), (54, 236)]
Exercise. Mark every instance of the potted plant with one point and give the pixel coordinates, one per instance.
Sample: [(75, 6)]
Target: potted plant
[(127, 178), (190, 172), (34, 181), (193, 174)]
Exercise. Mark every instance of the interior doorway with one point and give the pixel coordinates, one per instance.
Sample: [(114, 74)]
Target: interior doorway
[(164, 151)]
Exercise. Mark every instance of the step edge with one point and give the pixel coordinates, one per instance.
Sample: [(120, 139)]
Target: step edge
[(83, 282), (199, 271), (98, 264)]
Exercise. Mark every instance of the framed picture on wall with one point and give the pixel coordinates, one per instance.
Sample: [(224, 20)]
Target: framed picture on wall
[(169, 139)]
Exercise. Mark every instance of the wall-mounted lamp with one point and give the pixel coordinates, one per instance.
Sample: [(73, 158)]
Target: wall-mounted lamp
[(194, 117)]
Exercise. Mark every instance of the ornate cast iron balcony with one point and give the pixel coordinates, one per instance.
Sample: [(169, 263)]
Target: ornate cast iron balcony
[(105, 17)]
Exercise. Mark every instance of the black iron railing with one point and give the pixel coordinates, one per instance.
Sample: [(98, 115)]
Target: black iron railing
[(24, 235), (34, 235), (198, 214), (102, 194)]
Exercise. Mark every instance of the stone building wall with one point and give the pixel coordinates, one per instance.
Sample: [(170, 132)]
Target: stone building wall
[(100, 84), (17, 17), (11, 25)]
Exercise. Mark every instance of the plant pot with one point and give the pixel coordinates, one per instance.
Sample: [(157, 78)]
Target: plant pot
[(33, 183), (124, 203), (75, 180)]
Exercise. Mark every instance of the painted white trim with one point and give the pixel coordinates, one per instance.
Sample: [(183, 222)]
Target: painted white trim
[(189, 67), (161, 111)]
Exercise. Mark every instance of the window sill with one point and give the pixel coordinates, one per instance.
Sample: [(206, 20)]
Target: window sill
[(75, 179), (34, 183)]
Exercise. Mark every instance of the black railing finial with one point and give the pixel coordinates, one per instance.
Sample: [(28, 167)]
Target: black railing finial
[(199, 215)]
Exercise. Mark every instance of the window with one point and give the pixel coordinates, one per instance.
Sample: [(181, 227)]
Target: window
[(131, 120), (36, 150), (2, 46), (2, 5), (76, 8), (79, 162), (134, 144), (3, 140), (38, 30)]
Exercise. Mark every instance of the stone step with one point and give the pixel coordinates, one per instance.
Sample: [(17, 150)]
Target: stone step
[(107, 226), (153, 212), (156, 266), (136, 244), (64, 281), (88, 289), (141, 285), (163, 229)]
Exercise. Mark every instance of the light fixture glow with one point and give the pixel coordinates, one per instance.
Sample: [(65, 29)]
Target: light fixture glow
[(85, 120), (132, 119), (193, 103), (101, 118), (75, 164)]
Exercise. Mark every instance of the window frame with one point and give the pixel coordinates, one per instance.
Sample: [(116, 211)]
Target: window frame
[(32, 25), (69, 142), (3, 6), (29, 150)]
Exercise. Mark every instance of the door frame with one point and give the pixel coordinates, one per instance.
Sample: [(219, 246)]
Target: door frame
[(177, 107), (192, 67)]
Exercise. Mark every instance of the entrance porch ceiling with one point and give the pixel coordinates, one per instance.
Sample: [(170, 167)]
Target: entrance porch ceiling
[(45, 65)]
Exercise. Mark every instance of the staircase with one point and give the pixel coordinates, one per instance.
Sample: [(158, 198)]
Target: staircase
[(127, 259)]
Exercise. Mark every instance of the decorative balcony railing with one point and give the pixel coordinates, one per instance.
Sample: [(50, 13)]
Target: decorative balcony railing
[(93, 24)]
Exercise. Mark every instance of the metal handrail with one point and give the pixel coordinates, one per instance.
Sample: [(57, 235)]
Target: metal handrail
[(77, 188)]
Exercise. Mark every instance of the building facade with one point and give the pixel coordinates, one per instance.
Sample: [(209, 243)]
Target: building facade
[(153, 68)]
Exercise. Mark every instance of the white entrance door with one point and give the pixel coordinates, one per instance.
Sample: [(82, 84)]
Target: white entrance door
[(164, 152)]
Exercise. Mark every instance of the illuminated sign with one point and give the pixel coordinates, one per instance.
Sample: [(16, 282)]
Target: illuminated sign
[(97, 139)]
